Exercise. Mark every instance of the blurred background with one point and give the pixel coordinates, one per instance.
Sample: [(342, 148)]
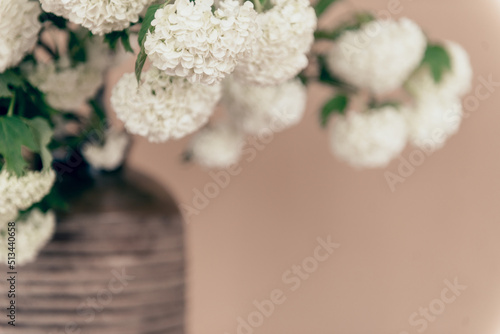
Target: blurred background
[(399, 248)]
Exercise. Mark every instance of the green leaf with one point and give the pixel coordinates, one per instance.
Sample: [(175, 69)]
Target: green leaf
[(76, 48), (14, 134), (337, 104), (146, 24), (42, 133), (9, 80), (113, 38), (126, 42), (323, 5), (139, 64), (438, 60)]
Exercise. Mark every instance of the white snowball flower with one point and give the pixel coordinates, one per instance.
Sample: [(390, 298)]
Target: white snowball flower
[(32, 233), (369, 139), (433, 120), (99, 16), (19, 193), (19, 27), (258, 108), (380, 56), (217, 146), (280, 51), (163, 107), (189, 41), (454, 83), (66, 87), (109, 156)]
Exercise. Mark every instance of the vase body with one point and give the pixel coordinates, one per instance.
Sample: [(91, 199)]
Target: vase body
[(114, 266)]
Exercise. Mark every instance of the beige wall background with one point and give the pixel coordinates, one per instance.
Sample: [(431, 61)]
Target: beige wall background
[(397, 248)]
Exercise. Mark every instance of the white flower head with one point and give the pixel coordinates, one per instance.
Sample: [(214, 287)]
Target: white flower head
[(163, 107), (19, 193), (99, 16), (19, 27), (33, 232), (380, 56), (66, 87), (454, 83), (258, 108), (433, 120), (217, 146), (280, 51), (109, 156), (190, 41), (369, 139)]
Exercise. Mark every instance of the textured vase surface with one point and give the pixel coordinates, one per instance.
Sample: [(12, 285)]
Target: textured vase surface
[(114, 266)]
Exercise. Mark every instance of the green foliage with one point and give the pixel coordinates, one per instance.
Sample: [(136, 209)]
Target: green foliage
[(113, 38), (14, 134), (323, 5), (146, 26), (9, 81), (438, 60), (42, 134), (337, 104), (76, 48)]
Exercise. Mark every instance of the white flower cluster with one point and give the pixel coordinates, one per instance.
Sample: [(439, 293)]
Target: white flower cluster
[(19, 193), (68, 87), (33, 232), (437, 113), (280, 51), (369, 139), (190, 41), (380, 56), (217, 146), (19, 27), (258, 108), (99, 16), (109, 156), (163, 107)]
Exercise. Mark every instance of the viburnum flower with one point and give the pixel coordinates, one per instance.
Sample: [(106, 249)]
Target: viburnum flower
[(66, 87), (19, 193), (369, 139), (454, 83), (163, 107), (109, 156), (19, 27), (280, 51), (433, 120), (258, 108), (217, 146), (379, 56), (190, 41), (99, 16), (33, 232)]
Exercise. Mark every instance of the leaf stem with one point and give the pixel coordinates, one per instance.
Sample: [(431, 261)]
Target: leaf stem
[(11, 105), (258, 6)]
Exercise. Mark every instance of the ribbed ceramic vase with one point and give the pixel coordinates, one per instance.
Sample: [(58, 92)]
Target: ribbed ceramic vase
[(114, 266)]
